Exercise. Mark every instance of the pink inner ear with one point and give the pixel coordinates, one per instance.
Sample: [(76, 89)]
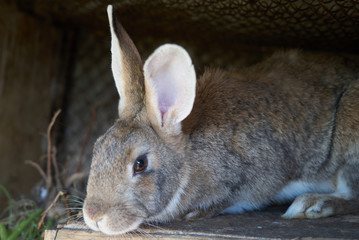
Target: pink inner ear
[(166, 90)]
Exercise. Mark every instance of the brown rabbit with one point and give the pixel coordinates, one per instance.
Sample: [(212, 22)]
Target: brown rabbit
[(284, 129)]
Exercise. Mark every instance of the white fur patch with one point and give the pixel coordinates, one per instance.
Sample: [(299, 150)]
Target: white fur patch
[(289, 192), (297, 188), (343, 190)]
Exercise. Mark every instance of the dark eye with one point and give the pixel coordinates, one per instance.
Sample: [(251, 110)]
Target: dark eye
[(140, 164)]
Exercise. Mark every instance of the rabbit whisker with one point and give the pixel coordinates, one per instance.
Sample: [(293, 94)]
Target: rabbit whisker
[(144, 233), (155, 226)]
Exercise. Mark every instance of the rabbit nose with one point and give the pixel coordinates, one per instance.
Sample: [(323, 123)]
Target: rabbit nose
[(94, 211)]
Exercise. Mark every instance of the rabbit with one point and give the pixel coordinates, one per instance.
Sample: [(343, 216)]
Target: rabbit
[(285, 129)]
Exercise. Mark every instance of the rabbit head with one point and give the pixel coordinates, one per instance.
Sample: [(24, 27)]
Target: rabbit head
[(136, 168)]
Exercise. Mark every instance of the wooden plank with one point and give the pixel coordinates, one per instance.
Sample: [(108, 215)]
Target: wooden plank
[(255, 225), (79, 231), (86, 235)]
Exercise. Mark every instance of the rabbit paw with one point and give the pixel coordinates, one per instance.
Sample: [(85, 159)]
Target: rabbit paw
[(315, 206)]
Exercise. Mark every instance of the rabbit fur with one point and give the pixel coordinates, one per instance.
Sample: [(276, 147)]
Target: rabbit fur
[(285, 129)]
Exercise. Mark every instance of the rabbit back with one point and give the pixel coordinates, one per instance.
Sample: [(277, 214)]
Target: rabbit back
[(276, 125)]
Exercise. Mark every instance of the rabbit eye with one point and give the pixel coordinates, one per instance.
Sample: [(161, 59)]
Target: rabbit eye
[(140, 164)]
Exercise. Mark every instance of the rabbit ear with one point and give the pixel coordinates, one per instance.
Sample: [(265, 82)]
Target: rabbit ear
[(170, 83), (126, 67)]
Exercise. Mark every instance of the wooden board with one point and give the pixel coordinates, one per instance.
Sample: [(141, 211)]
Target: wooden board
[(255, 225)]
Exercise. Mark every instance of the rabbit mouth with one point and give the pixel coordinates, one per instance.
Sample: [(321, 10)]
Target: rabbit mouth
[(113, 227), (114, 222)]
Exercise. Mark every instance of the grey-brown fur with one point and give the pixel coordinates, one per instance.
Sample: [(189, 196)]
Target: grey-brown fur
[(293, 118)]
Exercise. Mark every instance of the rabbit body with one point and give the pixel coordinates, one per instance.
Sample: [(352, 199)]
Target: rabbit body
[(284, 129)]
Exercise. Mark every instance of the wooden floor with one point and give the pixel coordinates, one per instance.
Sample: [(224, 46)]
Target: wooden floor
[(265, 224)]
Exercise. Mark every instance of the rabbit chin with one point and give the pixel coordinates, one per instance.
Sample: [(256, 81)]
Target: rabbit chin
[(111, 226)]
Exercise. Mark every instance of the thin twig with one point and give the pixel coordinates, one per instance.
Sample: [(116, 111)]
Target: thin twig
[(65, 198), (74, 177), (38, 168), (48, 181), (43, 215), (54, 163), (87, 136)]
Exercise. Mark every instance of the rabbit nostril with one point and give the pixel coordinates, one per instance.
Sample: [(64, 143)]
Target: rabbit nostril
[(94, 212)]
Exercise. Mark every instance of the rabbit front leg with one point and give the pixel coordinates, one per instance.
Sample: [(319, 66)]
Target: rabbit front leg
[(317, 206), (342, 201)]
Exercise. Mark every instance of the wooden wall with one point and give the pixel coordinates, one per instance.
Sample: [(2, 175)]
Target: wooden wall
[(31, 79)]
